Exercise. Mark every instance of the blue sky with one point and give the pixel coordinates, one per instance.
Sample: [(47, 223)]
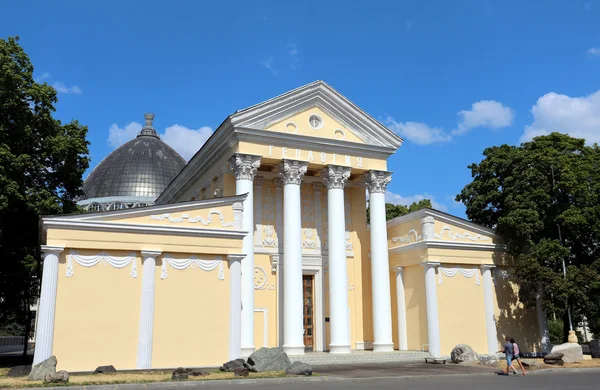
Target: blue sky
[(451, 77)]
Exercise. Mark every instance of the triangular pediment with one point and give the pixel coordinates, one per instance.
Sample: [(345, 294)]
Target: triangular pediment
[(341, 119)]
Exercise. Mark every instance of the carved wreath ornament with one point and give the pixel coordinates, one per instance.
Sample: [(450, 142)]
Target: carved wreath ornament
[(260, 280)]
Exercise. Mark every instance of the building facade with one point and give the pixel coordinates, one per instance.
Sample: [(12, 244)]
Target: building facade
[(262, 240)]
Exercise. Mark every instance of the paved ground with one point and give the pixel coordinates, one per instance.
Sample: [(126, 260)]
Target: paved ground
[(398, 369)]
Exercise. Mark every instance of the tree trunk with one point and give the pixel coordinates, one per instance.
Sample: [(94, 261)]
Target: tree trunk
[(27, 326), (566, 327)]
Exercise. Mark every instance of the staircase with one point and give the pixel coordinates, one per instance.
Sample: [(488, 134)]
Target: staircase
[(360, 357)]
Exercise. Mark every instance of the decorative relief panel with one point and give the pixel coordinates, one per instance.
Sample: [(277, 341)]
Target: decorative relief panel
[(198, 219), (324, 219), (268, 216), (451, 272), (261, 280), (348, 216), (103, 257), (308, 216), (445, 234), (181, 264)]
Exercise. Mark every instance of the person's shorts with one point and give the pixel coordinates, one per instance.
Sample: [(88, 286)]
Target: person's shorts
[(516, 357), (509, 360)]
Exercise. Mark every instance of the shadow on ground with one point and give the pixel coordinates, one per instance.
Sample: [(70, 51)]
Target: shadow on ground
[(375, 370)]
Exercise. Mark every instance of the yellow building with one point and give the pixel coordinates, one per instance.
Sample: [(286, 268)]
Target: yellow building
[(262, 240)]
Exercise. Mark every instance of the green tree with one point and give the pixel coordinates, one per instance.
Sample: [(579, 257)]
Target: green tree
[(41, 166), (543, 198), (397, 210)]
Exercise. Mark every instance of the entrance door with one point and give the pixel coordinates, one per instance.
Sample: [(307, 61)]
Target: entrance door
[(309, 319)]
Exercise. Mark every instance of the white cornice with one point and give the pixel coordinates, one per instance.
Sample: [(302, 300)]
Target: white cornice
[(447, 245), (442, 217), (120, 227)]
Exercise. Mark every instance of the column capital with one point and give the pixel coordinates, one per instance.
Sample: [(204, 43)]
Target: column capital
[(427, 220), (429, 264), (292, 171), (488, 266), (235, 257), (151, 253), (335, 176), (377, 181), (244, 166), (49, 249), (398, 270)]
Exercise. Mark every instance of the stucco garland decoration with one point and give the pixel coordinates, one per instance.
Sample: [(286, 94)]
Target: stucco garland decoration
[(90, 261), (181, 264), (197, 219), (407, 238), (451, 272), (455, 236)]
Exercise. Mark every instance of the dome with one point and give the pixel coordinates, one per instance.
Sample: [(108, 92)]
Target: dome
[(135, 174)]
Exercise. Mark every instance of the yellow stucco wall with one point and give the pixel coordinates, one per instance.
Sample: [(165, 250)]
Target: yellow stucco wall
[(416, 307), (97, 315), (452, 232), (461, 312), (403, 234), (298, 124), (191, 317), (220, 217), (265, 303)]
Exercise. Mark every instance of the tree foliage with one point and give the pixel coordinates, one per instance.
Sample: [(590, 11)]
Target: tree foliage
[(543, 198), (397, 210), (42, 162)]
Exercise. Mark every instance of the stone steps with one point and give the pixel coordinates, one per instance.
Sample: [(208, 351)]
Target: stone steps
[(321, 359)]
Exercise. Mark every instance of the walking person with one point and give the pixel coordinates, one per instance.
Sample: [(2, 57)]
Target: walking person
[(509, 351), (517, 354)]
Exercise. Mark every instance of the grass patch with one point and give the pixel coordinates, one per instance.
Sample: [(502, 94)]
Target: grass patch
[(118, 378)]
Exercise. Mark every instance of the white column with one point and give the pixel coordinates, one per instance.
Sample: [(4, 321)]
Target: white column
[(433, 323), (244, 167), (292, 172), (542, 322), (488, 297), (258, 188), (335, 178), (47, 308), (377, 182), (402, 333), (144, 350), (235, 306)]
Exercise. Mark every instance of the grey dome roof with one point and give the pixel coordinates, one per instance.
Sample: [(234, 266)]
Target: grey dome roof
[(141, 168)]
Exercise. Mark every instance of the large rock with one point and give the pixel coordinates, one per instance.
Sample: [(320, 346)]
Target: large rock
[(231, 365), (555, 359), (57, 377), (40, 370), (595, 349), (18, 371), (462, 353), (197, 372), (180, 374), (299, 368), (572, 353), (269, 359), (105, 370), (489, 359), (531, 362), (241, 371)]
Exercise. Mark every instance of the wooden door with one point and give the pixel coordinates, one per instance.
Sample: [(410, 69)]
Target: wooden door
[(309, 320)]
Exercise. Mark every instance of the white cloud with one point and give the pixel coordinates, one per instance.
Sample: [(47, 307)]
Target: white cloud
[(484, 113), (294, 54), (594, 52), (43, 77), (408, 24), (62, 88), (391, 197), (268, 64), (184, 140), (418, 132), (576, 116)]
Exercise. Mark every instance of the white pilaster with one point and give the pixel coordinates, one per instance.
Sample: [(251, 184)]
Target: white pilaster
[(292, 173), (258, 188), (146, 330), (377, 182), (542, 321), (318, 220), (488, 297), (235, 306), (44, 337), (433, 323), (279, 213), (244, 167), (402, 333), (335, 178)]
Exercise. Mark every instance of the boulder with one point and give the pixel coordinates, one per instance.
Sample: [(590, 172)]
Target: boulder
[(269, 359), (197, 372), (105, 370), (231, 365), (18, 371), (531, 362), (572, 353), (57, 377), (489, 359), (595, 349), (462, 353), (180, 374), (40, 370), (241, 371), (555, 359), (299, 368)]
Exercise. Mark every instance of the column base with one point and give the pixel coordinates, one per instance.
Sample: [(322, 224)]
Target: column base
[(383, 347), (339, 349), (247, 351), (294, 350)]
